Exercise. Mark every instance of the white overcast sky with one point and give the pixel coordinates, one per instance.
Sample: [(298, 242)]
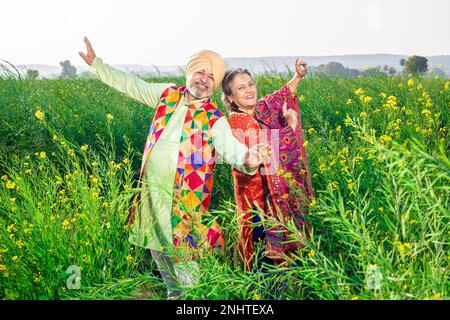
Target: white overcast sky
[(167, 32)]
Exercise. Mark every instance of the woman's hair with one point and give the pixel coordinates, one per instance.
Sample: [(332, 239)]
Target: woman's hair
[(226, 88)]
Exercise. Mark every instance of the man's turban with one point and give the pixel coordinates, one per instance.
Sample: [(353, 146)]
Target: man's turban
[(207, 59)]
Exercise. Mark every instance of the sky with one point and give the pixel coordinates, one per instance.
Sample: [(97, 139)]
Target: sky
[(168, 32)]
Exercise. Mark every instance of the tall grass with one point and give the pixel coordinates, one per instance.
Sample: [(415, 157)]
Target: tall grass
[(378, 152)]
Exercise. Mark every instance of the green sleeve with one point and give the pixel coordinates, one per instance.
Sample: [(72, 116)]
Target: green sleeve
[(228, 147), (131, 85)]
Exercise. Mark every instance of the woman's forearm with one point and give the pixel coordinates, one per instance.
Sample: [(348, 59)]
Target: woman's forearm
[(293, 83)]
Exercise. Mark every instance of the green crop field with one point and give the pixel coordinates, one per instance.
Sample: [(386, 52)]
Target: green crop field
[(378, 151)]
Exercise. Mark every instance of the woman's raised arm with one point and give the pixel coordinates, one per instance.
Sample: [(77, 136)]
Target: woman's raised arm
[(301, 69)]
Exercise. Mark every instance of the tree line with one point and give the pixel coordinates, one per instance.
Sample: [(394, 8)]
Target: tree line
[(417, 65)]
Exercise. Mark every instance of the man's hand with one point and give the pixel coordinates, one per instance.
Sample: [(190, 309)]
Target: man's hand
[(290, 116), (90, 56), (256, 155)]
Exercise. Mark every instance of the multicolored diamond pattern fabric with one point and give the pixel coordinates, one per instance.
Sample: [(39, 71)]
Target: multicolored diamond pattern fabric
[(194, 174)]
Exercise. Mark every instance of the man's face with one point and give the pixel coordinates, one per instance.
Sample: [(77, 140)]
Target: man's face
[(201, 84)]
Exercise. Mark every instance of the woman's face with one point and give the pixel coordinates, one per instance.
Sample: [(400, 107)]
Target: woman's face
[(244, 93)]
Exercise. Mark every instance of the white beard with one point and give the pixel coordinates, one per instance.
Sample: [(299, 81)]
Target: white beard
[(197, 92)]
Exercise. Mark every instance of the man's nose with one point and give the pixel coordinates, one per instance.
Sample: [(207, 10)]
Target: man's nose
[(205, 78)]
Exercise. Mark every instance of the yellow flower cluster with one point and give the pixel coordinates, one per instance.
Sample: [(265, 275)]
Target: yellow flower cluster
[(404, 248), (393, 127), (426, 99), (361, 95), (436, 296), (391, 103), (385, 138), (347, 121), (115, 166), (10, 185), (322, 167), (39, 115)]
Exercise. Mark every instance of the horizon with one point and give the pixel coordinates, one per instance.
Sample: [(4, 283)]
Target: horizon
[(252, 57)]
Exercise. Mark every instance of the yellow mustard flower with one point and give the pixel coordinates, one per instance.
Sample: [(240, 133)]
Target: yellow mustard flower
[(367, 99), (39, 115), (436, 296), (10, 185), (334, 185), (385, 138), (347, 121), (66, 224)]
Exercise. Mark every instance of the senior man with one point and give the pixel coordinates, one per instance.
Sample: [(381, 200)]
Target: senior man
[(177, 170)]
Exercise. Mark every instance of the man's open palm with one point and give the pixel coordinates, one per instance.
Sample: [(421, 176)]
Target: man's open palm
[(90, 56)]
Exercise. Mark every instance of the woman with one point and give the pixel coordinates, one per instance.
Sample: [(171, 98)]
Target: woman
[(269, 195)]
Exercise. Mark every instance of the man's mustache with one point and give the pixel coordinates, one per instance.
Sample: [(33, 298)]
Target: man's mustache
[(200, 82)]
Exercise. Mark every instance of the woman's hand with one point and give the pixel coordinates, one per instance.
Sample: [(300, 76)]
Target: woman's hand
[(90, 56), (290, 116), (301, 68)]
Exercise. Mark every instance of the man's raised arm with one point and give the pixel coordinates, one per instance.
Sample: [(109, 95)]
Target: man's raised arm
[(131, 85)]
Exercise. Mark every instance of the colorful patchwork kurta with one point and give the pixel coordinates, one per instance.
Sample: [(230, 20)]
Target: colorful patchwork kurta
[(270, 189), (178, 162)]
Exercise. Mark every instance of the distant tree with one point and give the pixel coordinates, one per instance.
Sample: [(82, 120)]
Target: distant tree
[(402, 62), (32, 74), (392, 71), (332, 68), (415, 65), (336, 69), (68, 70), (353, 73), (375, 72), (379, 71)]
